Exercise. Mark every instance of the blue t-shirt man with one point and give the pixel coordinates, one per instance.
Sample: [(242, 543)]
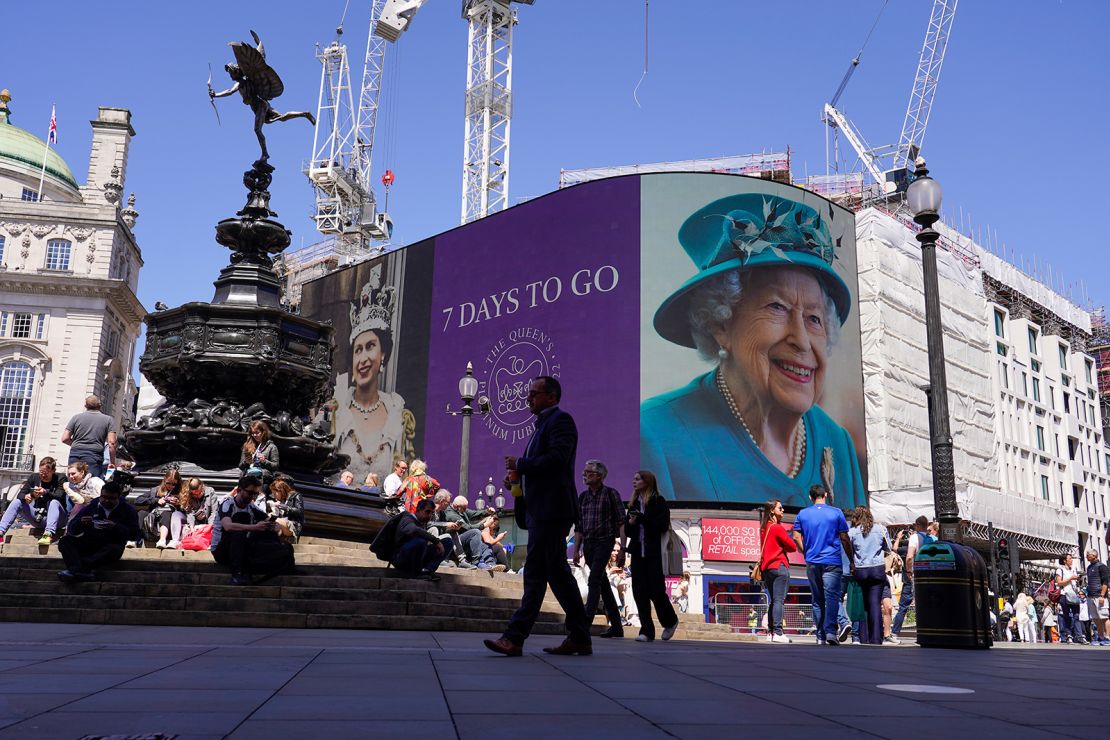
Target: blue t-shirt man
[(820, 526)]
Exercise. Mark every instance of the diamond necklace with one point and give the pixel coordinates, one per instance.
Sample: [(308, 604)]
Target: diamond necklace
[(366, 409), (799, 455)]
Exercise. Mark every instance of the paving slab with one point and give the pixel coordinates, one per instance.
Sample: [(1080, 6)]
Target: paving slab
[(66, 681)]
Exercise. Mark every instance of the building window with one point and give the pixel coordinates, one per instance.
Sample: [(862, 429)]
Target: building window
[(1004, 375), (1087, 367), (1044, 487), (1025, 384), (21, 326), (1036, 389), (16, 383), (40, 326), (1052, 398), (1000, 348), (30, 196), (1033, 341), (4, 324), (999, 324), (1, 250), (1067, 404), (1063, 357), (1036, 365), (1040, 438), (57, 254)]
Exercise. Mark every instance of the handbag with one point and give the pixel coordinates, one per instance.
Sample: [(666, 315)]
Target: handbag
[(856, 610), (199, 538), (757, 571)]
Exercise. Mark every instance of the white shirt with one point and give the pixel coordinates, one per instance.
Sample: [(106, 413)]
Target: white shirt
[(1069, 592), (392, 484)]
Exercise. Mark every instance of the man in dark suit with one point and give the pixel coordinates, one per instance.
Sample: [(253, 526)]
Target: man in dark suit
[(550, 499), (98, 534)]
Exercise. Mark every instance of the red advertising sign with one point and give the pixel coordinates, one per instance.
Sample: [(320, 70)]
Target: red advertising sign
[(735, 540)]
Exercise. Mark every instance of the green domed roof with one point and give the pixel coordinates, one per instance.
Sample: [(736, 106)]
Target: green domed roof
[(17, 145)]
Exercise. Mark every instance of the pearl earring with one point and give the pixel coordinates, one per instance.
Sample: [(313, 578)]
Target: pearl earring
[(722, 354)]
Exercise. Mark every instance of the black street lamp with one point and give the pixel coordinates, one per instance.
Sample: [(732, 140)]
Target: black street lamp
[(468, 389), (923, 198)]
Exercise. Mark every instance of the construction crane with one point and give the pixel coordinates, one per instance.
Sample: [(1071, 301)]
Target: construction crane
[(342, 147), (889, 165), (489, 96)]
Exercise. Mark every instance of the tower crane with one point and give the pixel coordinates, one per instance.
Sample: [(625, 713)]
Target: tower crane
[(889, 165), (489, 96), (342, 147)]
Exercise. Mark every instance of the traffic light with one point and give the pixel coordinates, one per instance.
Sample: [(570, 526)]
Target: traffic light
[(1004, 552)]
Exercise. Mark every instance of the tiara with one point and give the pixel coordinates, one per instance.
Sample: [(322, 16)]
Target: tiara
[(374, 309)]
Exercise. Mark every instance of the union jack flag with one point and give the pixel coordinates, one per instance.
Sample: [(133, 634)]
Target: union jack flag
[(52, 138)]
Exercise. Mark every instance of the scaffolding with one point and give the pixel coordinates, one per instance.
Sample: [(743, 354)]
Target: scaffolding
[(767, 165), (296, 268)]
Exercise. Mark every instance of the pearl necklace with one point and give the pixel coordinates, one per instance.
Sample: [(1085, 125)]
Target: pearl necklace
[(799, 431), (366, 409)]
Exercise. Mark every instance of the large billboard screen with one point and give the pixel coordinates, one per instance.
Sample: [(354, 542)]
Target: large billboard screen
[(704, 327)]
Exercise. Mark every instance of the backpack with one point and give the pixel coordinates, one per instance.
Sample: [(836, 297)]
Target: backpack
[(385, 543)]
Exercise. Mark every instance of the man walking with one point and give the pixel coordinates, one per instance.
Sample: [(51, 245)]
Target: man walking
[(1098, 604), (822, 534), (600, 524), (915, 543), (98, 535), (86, 434), (546, 472), (1067, 578)]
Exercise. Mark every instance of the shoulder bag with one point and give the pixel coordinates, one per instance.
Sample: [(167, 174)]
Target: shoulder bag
[(757, 571)]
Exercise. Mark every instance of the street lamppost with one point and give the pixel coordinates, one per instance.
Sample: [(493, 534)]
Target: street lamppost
[(488, 491), (923, 198), (468, 389)]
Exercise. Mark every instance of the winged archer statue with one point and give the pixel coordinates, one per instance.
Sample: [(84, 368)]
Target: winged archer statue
[(257, 83)]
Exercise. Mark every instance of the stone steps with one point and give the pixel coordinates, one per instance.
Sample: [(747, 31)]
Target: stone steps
[(339, 585)]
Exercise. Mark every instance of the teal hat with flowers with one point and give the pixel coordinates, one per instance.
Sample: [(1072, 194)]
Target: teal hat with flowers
[(743, 232)]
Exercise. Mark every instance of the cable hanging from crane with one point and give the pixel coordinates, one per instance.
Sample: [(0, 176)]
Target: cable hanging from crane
[(636, 90)]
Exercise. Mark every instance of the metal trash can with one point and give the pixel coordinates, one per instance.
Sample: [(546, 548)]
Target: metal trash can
[(950, 591)]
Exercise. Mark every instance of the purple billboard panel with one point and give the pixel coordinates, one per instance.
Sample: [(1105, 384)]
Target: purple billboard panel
[(550, 287)]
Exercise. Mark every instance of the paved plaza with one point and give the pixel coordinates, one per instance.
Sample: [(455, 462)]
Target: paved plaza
[(67, 681)]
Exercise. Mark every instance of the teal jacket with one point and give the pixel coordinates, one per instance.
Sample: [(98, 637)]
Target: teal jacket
[(690, 440)]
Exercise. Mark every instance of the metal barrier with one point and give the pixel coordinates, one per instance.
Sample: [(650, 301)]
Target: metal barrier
[(747, 612)]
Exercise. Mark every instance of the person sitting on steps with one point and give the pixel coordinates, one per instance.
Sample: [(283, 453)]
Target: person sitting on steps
[(98, 534), (246, 540), (40, 502), (418, 551)]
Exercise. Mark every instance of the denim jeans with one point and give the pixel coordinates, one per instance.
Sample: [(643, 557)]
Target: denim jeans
[(903, 604), (824, 584), (94, 461), (419, 555), (55, 516), (776, 581), (1069, 621)]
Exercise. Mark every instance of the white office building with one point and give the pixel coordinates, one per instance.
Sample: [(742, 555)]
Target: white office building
[(69, 270)]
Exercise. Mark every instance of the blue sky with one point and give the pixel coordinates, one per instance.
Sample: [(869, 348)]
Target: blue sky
[(1016, 137)]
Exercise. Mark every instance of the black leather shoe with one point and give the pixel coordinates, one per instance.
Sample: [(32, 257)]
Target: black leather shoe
[(611, 632), (569, 647)]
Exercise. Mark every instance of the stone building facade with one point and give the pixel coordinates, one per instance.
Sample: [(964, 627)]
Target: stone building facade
[(69, 271)]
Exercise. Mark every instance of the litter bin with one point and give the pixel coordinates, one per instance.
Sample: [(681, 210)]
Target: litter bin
[(950, 591)]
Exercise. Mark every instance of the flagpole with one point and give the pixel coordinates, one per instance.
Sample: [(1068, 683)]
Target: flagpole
[(46, 151)]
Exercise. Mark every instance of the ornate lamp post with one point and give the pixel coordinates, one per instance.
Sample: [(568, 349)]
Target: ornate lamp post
[(923, 198), (468, 389)]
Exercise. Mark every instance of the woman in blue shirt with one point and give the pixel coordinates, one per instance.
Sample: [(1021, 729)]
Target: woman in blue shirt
[(870, 546)]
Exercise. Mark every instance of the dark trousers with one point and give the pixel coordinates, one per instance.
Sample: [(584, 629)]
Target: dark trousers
[(547, 564), (597, 559), (500, 554), (420, 556), (649, 587), (871, 581), (85, 554), (94, 461), (776, 581), (1070, 629), (264, 556)]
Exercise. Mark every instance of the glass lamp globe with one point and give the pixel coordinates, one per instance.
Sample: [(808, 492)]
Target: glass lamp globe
[(924, 196), (490, 489), (468, 384), (499, 502)]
